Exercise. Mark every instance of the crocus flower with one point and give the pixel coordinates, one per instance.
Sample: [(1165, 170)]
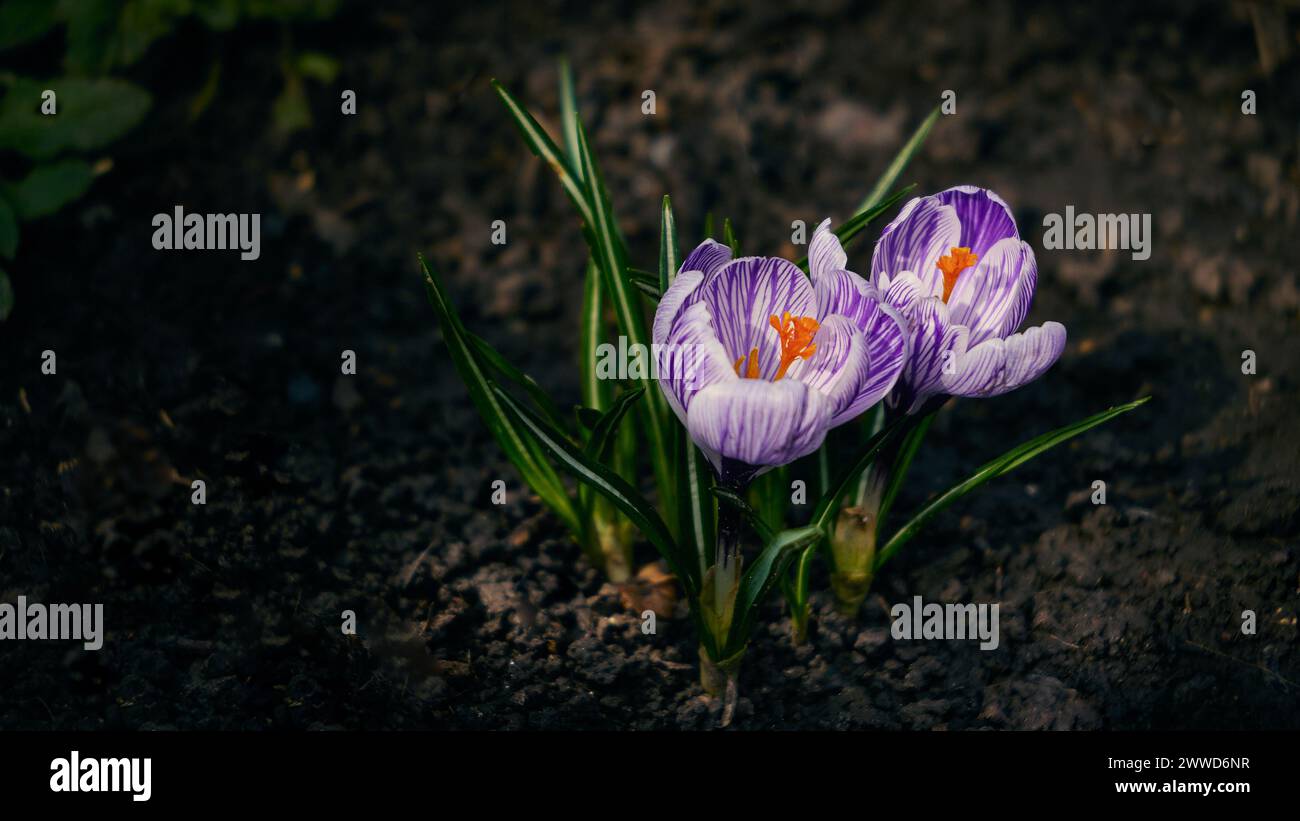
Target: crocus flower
[(759, 363), (954, 266)]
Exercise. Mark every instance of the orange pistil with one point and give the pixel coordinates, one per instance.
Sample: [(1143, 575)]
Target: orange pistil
[(956, 261)]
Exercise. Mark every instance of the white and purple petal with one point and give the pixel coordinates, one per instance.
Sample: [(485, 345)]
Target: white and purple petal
[(985, 217), (825, 253), (744, 294), (840, 366), (887, 344), (707, 258), (992, 295), (997, 366), (671, 303), (758, 423), (690, 359), (922, 232), (934, 341), (905, 292), (847, 294)]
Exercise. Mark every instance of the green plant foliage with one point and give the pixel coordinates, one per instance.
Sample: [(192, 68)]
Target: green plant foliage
[(91, 114), (48, 188)]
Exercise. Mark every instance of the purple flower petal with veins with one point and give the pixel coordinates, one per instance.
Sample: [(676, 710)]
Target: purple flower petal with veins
[(759, 362)]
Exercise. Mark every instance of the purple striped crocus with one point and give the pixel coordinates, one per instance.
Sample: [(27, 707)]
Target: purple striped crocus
[(759, 363), (954, 266)]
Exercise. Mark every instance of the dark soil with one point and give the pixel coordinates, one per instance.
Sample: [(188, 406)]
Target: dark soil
[(371, 493)]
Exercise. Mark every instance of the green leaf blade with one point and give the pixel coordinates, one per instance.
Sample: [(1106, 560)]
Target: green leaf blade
[(669, 251), (609, 484), (998, 467), (828, 505), (853, 226), (761, 576), (485, 395), (508, 371), (756, 522), (900, 161), (543, 146), (49, 187), (602, 435), (608, 248)]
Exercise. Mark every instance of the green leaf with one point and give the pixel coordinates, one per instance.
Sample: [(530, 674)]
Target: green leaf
[(596, 392), (90, 113), (729, 237), (587, 417), (318, 66), (503, 368), (569, 114), (829, 504), (587, 191), (8, 230), (670, 255), (900, 161), (698, 510), (645, 282), (485, 394), (898, 472), (823, 470), (291, 111), (803, 574), (610, 485), (543, 146), (1003, 464), (794, 586), (854, 225), (761, 575), (6, 296), (756, 522), (770, 496), (22, 21), (607, 247), (602, 434), (48, 188)]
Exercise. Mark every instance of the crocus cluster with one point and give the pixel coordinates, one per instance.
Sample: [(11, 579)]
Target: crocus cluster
[(760, 360)]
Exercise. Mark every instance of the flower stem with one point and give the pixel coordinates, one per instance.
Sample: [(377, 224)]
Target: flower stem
[(614, 544), (720, 679)]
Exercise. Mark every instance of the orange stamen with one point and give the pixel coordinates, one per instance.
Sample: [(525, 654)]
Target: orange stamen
[(956, 261), (796, 339), (751, 372)]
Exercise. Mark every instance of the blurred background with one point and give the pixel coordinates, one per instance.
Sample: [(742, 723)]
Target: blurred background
[(370, 493)]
